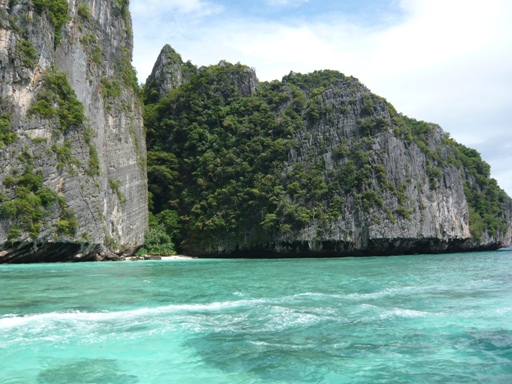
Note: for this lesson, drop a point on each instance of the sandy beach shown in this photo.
(178, 257)
(158, 258)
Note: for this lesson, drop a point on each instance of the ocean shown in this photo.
(400, 319)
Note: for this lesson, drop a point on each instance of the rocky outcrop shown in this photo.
(71, 138)
(169, 72)
(315, 165)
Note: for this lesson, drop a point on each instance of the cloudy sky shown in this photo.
(443, 61)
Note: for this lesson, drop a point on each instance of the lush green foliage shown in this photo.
(110, 89)
(27, 53)
(226, 145)
(163, 229)
(57, 11)
(64, 157)
(123, 6)
(157, 242)
(217, 157)
(314, 80)
(7, 136)
(229, 166)
(128, 72)
(487, 202)
(26, 211)
(84, 11)
(58, 99)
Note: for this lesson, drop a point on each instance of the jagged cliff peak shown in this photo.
(313, 165)
(73, 177)
(169, 72)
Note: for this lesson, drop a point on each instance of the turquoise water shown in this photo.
(410, 319)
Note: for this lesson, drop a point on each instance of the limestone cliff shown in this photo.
(72, 148)
(313, 165)
(169, 72)
(405, 186)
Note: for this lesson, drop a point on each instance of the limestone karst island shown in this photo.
(210, 161)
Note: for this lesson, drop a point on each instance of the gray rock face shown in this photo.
(402, 207)
(169, 72)
(436, 219)
(245, 83)
(73, 157)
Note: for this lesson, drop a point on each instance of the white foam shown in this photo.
(14, 321)
(286, 346)
(403, 313)
(275, 313)
(397, 291)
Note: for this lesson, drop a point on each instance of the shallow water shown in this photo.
(403, 319)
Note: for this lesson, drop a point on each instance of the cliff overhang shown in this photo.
(333, 249)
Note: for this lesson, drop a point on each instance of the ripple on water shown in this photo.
(432, 318)
(86, 371)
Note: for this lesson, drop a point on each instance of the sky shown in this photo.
(443, 61)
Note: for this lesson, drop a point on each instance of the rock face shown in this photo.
(169, 72)
(72, 148)
(314, 165)
(412, 197)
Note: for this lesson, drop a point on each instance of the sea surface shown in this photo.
(402, 319)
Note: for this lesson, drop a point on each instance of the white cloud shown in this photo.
(446, 61)
(452, 67)
(160, 22)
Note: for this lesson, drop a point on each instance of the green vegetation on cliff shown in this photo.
(66, 166)
(252, 168)
(58, 99)
(25, 202)
(31, 202)
(227, 146)
(486, 200)
(57, 11)
(7, 136)
(27, 53)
